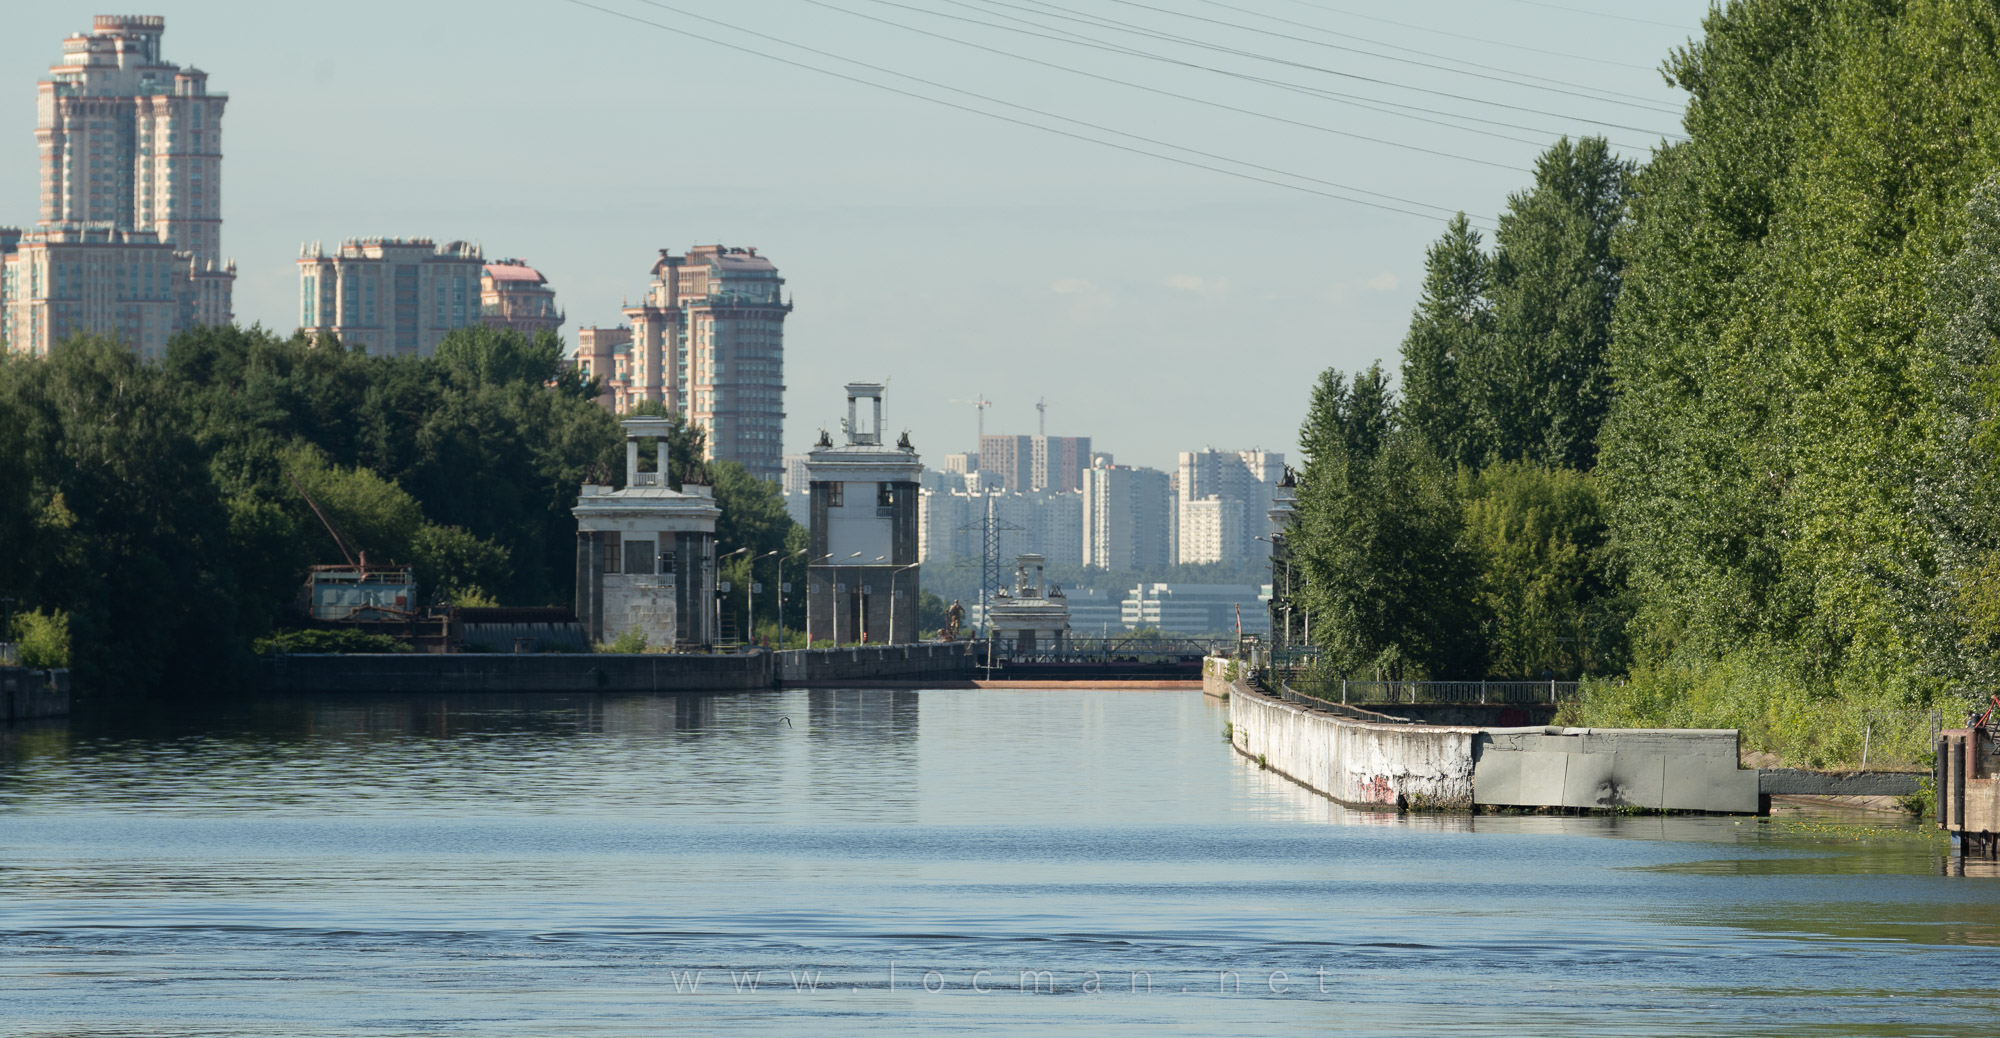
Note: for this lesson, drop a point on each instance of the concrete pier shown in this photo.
(27, 695)
(1373, 760)
(607, 672)
(1968, 790)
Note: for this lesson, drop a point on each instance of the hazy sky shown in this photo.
(1158, 307)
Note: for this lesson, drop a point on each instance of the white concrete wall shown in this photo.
(1419, 766)
(1449, 767)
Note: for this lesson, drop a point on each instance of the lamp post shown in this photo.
(718, 594)
(892, 601)
(835, 600)
(781, 602)
(753, 599)
(1286, 636)
(861, 592)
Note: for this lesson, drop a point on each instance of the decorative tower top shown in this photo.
(857, 392)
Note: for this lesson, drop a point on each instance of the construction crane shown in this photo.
(981, 403)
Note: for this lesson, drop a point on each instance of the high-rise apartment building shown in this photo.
(1126, 512)
(392, 297)
(515, 295)
(601, 353)
(1058, 462)
(1024, 463)
(1224, 498)
(708, 343)
(129, 240)
(1007, 461)
(1045, 522)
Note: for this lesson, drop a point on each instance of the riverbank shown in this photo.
(29, 695)
(926, 663)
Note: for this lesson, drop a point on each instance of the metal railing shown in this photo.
(1498, 693)
(1108, 650)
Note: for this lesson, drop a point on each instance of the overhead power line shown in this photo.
(1507, 76)
(1599, 14)
(1024, 108)
(1595, 91)
(1158, 90)
(1021, 122)
(1079, 39)
(1187, 41)
(1481, 40)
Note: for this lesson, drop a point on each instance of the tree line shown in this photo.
(1726, 422)
(156, 508)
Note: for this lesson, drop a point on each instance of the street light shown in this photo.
(833, 592)
(892, 601)
(718, 593)
(781, 603)
(862, 594)
(1286, 637)
(753, 601)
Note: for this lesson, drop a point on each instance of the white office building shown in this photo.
(1224, 502)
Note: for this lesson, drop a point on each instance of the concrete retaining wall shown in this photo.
(606, 672)
(507, 672)
(1671, 769)
(1387, 765)
(1800, 782)
(29, 694)
(1215, 672)
(917, 661)
(1361, 762)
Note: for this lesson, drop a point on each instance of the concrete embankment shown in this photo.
(606, 672)
(27, 695)
(1360, 761)
(1352, 761)
(929, 664)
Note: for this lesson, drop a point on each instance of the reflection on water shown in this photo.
(846, 861)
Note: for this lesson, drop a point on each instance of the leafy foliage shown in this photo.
(41, 640)
(327, 640)
(1786, 459)
(155, 504)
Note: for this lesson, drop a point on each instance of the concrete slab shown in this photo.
(1496, 778)
(1707, 784)
(1641, 779)
(1542, 778)
(1587, 782)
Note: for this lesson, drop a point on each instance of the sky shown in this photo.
(954, 250)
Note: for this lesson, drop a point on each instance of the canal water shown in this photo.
(861, 861)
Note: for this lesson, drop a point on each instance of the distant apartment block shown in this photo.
(601, 354)
(1045, 522)
(1193, 609)
(1058, 462)
(707, 343)
(390, 297)
(515, 295)
(1007, 461)
(1127, 512)
(129, 240)
(1027, 463)
(961, 463)
(1223, 504)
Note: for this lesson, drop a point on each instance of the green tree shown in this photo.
(1378, 537)
(1544, 374)
(130, 537)
(1548, 584)
(1445, 348)
(1779, 415)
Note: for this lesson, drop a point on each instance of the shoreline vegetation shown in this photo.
(1724, 423)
